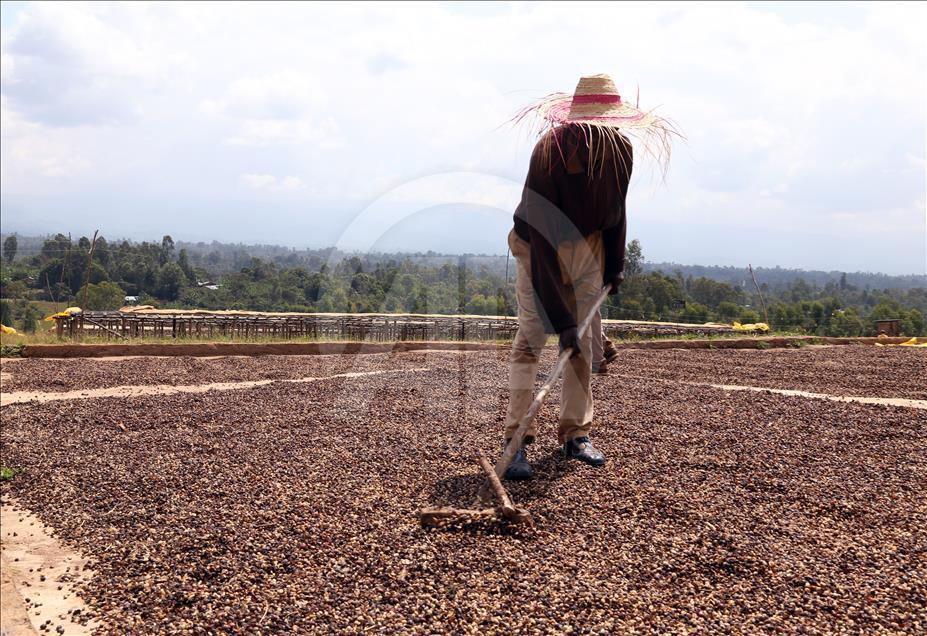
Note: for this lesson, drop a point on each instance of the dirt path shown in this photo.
(14, 619)
(914, 404)
(39, 575)
(884, 401)
(166, 389)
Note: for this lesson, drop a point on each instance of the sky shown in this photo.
(385, 126)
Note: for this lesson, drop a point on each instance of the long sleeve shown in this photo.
(613, 241)
(614, 238)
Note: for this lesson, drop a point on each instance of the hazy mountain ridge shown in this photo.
(228, 257)
(779, 276)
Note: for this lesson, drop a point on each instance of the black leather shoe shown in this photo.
(582, 449)
(519, 469)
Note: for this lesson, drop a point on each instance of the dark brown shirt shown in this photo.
(570, 194)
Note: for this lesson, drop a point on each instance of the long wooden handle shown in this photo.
(504, 501)
(515, 443)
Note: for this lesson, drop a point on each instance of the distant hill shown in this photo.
(778, 277)
(228, 257)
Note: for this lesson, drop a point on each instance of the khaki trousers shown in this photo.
(581, 264)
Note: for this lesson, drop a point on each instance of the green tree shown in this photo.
(9, 248)
(913, 324)
(633, 259)
(105, 296)
(748, 317)
(844, 323)
(56, 247)
(886, 310)
(727, 310)
(52, 271)
(662, 290)
(170, 281)
(30, 319)
(6, 313)
(183, 261)
(15, 289)
(167, 250)
(710, 292)
(101, 252)
(694, 313)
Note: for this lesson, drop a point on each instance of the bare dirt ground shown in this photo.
(290, 507)
(39, 579)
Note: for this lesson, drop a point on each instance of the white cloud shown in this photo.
(792, 115)
(271, 132)
(291, 183)
(259, 180)
(281, 95)
(270, 182)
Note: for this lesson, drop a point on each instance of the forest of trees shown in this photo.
(272, 278)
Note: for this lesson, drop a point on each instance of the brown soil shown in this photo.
(39, 578)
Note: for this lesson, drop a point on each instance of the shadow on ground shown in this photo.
(461, 490)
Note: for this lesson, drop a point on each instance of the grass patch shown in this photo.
(11, 350)
(726, 335)
(763, 345)
(6, 474)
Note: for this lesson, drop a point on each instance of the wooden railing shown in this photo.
(370, 327)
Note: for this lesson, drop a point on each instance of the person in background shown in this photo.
(603, 349)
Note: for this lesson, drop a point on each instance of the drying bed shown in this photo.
(60, 375)
(891, 372)
(291, 508)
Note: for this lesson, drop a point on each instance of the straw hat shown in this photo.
(596, 100)
(597, 103)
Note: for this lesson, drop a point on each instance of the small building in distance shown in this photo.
(891, 327)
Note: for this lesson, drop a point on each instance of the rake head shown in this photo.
(503, 510)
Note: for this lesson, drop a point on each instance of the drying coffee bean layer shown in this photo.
(845, 370)
(849, 370)
(291, 508)
(56, 375)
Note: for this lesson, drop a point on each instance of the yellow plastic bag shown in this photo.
(907, 343)
(753, 326)
(70, 311)
(8, 330)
